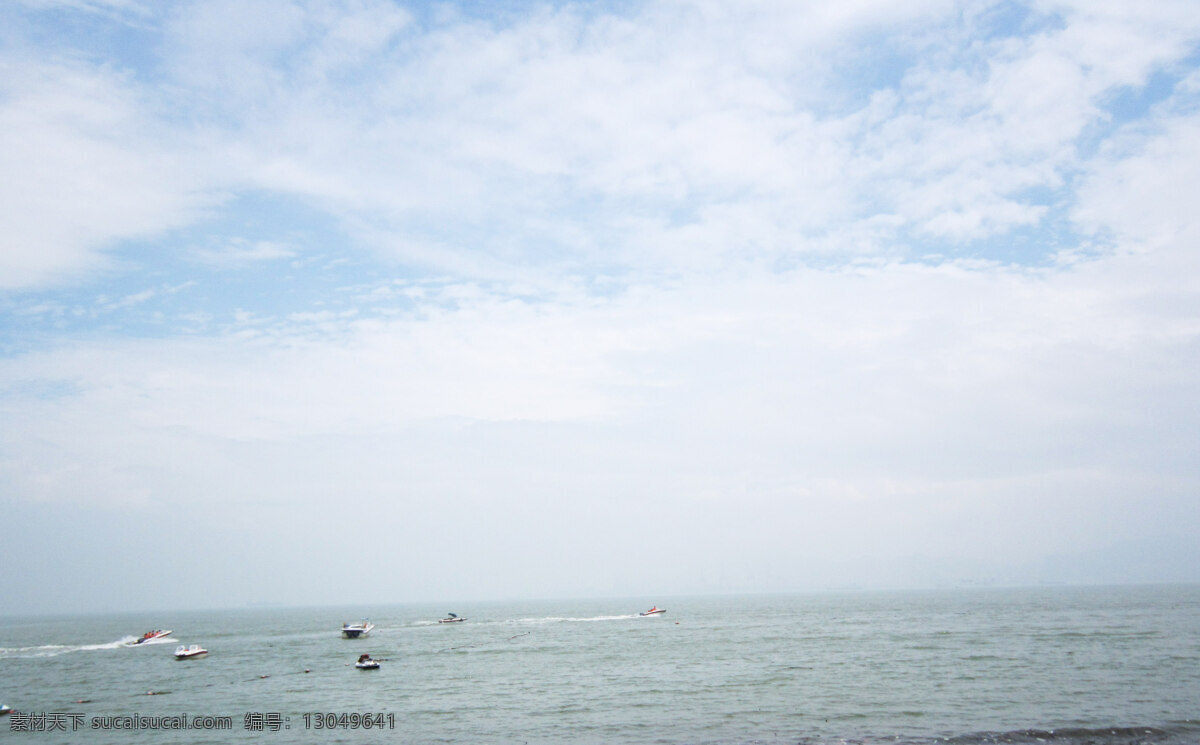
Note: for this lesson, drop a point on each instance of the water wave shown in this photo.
(1183, 733)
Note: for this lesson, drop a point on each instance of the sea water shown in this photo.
(1101, 665)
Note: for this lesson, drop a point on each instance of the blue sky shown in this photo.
(592, 298)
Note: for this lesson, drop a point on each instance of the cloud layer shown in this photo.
(758, 286)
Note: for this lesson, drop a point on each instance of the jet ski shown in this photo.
(366, 663)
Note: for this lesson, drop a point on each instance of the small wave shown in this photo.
(1091, 736)
(1066, 736)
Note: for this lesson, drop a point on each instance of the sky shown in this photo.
(361, 301)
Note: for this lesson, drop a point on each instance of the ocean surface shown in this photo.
(1064, 665)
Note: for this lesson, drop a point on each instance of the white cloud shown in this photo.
(571, 138)
(240, 252)
(1139, 191)
(105, 303)
(115, 8)
(740, 270)
(936, 383)
(82, 170)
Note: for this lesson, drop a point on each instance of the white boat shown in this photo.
(5, 710)
(366, 663)
(653, 611)
(189, 652)
(451, 618)
(355, 630)
(151, 635)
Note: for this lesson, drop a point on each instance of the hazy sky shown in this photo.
(357, 301)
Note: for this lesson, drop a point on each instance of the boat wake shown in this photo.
(54, 650)
(569, 619)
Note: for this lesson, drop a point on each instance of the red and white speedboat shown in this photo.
(190, 652)
(653, 611)
(152, 635)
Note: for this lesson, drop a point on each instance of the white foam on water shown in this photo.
(54, 650)
(570, 619)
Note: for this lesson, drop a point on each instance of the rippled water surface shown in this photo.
(1067, 665)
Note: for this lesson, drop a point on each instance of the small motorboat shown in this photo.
(451, 618)
(5, 710)
(190, 652)
(355, 630)
(653, 611)
(366, 663)
(151, 635)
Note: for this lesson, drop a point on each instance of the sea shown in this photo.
(1061, 665)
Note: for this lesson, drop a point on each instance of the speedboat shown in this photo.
(451, 618)
(150, 635)
(355, 630)
(366, 663)
(5, 710)
(189, 652)
(653, 611)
